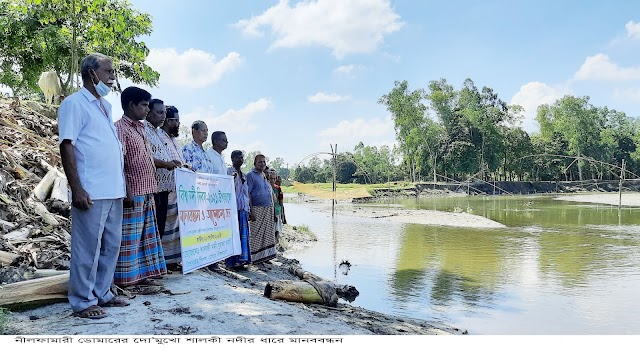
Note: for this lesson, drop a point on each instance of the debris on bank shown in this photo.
(34, 203)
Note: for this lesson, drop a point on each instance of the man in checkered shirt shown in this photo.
(141, 257)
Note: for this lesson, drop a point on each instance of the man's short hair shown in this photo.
(198, 125)
(92, 62)
(236, 154)
(153, 102)
(217, 135)
(256, 157)
(171, 112)
(133, 95)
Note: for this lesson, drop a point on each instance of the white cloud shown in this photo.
(532, 95)
(600, 67)
(348, 70)
(193, 68)
(632, 94)
(344, 26)
(321, 97)
(230, 121)
(633, 30)
(347, 134)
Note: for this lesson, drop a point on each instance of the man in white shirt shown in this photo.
(219, 143)
(92, 159)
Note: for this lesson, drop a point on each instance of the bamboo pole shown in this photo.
(620, 185)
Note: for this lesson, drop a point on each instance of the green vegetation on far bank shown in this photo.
(349, 190)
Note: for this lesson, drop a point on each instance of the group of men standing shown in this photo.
(124, 204)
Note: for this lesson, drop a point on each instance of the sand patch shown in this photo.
(424, 217)
(628, 199)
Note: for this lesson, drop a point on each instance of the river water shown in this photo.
(557, 268)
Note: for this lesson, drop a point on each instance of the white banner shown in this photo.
(208, 216)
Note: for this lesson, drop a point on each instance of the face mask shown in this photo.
(102, 89)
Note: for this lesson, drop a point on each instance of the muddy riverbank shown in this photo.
(205, 302)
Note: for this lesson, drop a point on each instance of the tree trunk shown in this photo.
(34, 292)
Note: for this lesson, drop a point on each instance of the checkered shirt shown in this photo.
(139, 168)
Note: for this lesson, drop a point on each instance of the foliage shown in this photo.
(408, 111)
(42, 35)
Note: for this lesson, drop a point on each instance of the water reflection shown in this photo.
(558, 267)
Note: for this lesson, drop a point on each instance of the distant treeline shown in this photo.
(447, 134)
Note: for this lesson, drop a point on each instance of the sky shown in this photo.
(292, 78)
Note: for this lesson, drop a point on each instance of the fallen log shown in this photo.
(36, 292)
(346, 292)
(322, 292)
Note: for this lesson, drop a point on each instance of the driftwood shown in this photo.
(34, 292)
(40, 273)
(6, 258)
(20, 234)
(41, 210)
(43, 188)
(346, 292)
(320, 292)
(313, 289)
(6, 226)
(60, 189)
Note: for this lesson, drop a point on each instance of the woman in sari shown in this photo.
(261, 214)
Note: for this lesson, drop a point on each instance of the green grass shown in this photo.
(303, 229)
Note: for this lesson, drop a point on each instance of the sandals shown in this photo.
(93, 312)
(149, 282)
(115, 302)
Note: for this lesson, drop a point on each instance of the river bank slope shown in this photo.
(205, 302)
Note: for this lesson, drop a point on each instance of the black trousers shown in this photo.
(162, 202)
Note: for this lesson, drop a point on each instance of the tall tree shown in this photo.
(42, 35)
(578, 122)
(408, 113)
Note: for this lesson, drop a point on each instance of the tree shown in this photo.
(408, 113)
(578, 122)
(42, 35)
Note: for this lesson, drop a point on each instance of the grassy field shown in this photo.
(343, 191)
